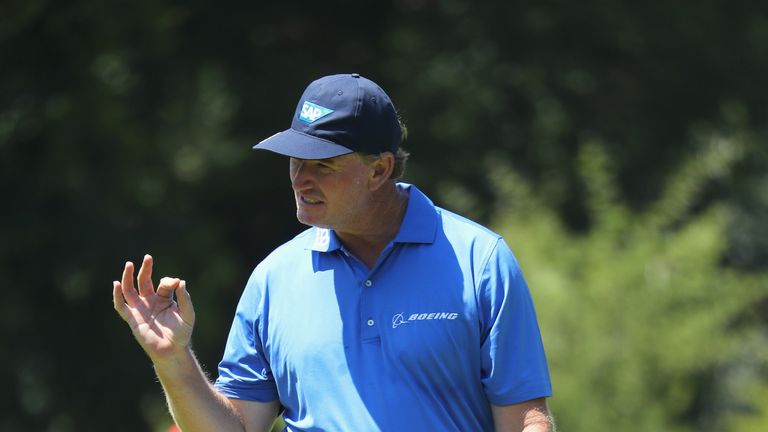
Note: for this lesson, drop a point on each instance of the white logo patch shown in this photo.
(322, 238)
(400, 319)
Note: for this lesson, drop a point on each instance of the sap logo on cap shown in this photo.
(311, 112)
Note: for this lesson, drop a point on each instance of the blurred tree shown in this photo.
(644, 327)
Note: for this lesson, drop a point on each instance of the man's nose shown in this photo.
(299, 174)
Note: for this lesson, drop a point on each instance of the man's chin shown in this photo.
(311, 221)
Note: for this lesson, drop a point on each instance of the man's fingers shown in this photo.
(145, 277)
(186, 310)
(167, 287)
(126, 287)
(119, 300)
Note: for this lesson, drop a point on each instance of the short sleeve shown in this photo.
(514, 365)
(244, 371)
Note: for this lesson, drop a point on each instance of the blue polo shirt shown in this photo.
(442, 326)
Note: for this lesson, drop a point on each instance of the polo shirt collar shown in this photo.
(324, 240)
(419, 224)
(420, 220)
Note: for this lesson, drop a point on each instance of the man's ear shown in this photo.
(381, 170)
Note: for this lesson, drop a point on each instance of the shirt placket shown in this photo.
(366, 279)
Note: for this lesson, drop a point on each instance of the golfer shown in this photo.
(387, 314)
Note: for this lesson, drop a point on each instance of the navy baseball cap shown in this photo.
(336, 115)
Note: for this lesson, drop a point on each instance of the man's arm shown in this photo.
(530, 416)
(197, 406)
(163, 328)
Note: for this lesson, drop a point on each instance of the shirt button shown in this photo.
(368, 283)
(370, 323)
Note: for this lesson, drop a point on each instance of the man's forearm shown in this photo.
(192, 400)
(545, 423)
(530, 416)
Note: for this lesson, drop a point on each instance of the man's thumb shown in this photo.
(186, 309)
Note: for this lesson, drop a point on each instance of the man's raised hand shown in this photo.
(162, 326)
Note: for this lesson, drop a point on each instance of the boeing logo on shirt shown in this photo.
(311, 112)
(399, 319)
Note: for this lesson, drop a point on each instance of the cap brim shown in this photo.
(301, 146)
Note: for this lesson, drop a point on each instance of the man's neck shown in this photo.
(383, 224)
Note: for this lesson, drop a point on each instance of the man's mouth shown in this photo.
(310, 201)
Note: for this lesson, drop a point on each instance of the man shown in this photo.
(387, 314)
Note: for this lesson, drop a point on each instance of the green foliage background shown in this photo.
(645, 329)
(620, 148)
